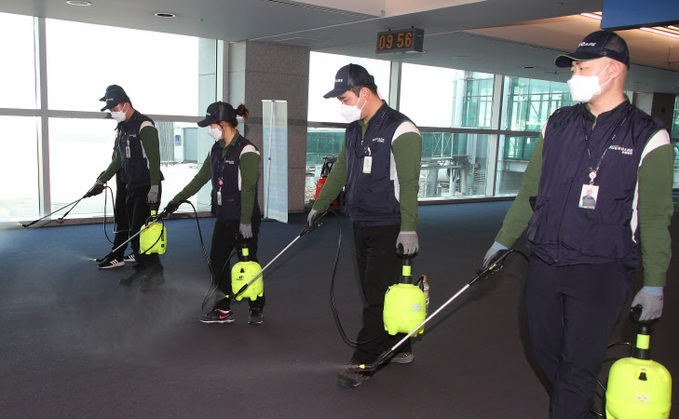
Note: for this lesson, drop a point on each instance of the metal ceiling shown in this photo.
(513, 37)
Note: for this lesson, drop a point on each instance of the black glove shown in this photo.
(96, 189)
(171, 207)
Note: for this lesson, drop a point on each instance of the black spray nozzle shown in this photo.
(496, 265)
(315, 223)
(368, 368)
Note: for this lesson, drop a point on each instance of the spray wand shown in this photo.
(154, 218)
(305, 230)
(72, 205)
(496, 266)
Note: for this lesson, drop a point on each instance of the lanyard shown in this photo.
(593, 171)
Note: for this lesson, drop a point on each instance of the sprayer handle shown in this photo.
(635, 314)
(399, 253)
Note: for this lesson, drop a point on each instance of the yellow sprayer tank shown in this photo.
(154, 238)
(242, 273)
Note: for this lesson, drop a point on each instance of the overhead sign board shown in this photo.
(405, 40)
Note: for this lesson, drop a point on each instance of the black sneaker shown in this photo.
(111, 262)
(217, 316)
(351, 376)
(129, 258)
(256, 316)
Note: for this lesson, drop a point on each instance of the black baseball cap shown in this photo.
(218, 111)
(596, 45)
(114, 95)
(351, 75)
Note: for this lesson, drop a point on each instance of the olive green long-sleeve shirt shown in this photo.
(249, 170)
(654, 206)
(407, 151)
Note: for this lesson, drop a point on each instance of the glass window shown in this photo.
(528, 103)
(322, 70)
(323, 144)
(417, 83)
(463, 99)
(513, 156)
(675, 144)
(72, 175)
(79, 150)
(675, 121)
(18, 168)
(477, 101)
(183, 150)
(453, 165)
(158, 71)
(17, 81)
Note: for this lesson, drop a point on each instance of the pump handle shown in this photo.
(399, 253)
(635, 314)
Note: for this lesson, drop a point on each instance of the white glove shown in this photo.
(409, 241)
(495, 251)
(651, 301)
(312, 217)
(152, 197)
(245, 230)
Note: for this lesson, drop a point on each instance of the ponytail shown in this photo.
(240, 111)
(243, 111)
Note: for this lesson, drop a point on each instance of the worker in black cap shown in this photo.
(233, 167)
(598, 187)
(137, 154)
(380, 166)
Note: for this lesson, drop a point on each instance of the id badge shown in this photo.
(128, 154)
(219, 197)
(367, 164)
(588, 196)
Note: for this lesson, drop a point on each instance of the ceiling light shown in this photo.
(662, 31)
(592, 15)
(165, 15)
(80, 3)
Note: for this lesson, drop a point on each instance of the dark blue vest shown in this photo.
(370, 197)
(136, 166)
(561, 232)
(227, 169)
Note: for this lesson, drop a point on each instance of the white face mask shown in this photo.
(584, 88)
(351, 113)
(118, 116)
(215, 133)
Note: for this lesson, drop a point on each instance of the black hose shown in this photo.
(333, 303)
(214, 281)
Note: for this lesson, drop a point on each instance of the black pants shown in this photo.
(378, 268)
(570, 312)
(138, 211)
(120, 217)
(225, 238)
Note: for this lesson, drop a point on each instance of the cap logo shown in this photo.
(587, 44)
(339, 80)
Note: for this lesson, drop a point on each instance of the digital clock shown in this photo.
(404, 40)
